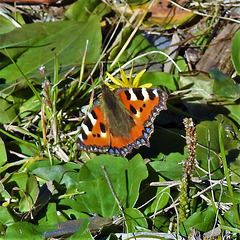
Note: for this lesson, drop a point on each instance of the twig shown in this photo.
(111, 188)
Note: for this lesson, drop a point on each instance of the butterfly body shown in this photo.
(121, 120)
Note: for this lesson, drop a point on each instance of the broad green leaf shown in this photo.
(47, 163)
(61, 174)
(169, 166)
(6, 24)
(160, 79)
(224, 86)
(77, 215)
(221, 194)
(201, 221)
(52, 217)
(125, 177)
(200, 94)
(83, 10)
(162, 196)
(135, 167)
(24, 230)
(208, 148)
(200, 86)
(161, 223)
(9, 22)
(231, 141)
(234, 112)
(31, 193)
(66, 39)
(236, 51)
(17, 180)
(6, 217)
(235, 166)
(230, 218)
(134, 220)
(230, 133)
(7, 112)
(3, 155)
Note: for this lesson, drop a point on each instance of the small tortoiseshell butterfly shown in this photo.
(121, 120)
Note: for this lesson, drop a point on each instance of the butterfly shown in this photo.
(121, 120)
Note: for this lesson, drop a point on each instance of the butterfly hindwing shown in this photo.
(137, 137)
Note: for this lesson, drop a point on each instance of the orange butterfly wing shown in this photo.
(142, 106)
(94, 135)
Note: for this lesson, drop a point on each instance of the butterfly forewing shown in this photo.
(94, 134)
(144, 104)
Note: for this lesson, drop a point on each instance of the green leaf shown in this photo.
(83, 10)
(167, 163)
(6, 24)
(230, 133)
(77, 215)
(208, 148)
(18, 179)
(7, 112)
(224, 86)
(24, 230)
(58, 173)
(160, 78)
(29, 198)
(3, 155)
(230, 217)
(236, 51)
(161, 198)
(6, 217)
(161, 223)
(66, 39)
(52, 217)
(125, 178)
(201, 87)
(234, 112)
(134, 220)
(202, 221)
(136, 167)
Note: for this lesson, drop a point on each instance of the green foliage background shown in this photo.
(43, 178)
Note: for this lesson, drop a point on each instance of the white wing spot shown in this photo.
(145, 94)
(80, 137)
(133, 95)
(85, 129)
(138, 114)
(103, 135)
(155, 92)
(92, 119)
